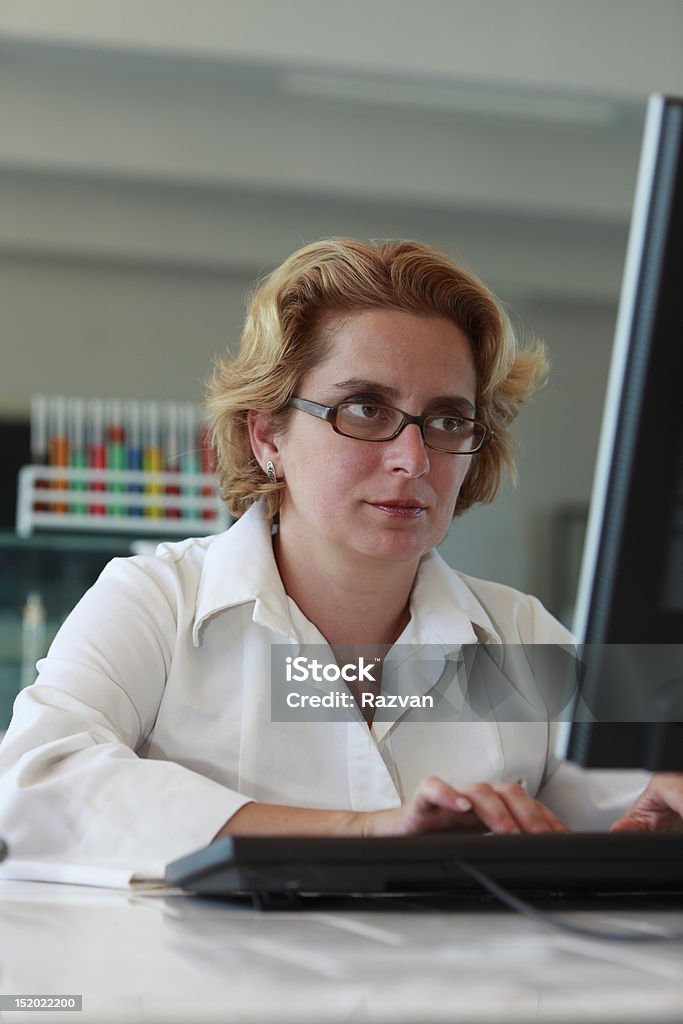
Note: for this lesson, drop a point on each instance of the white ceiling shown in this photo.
(221, 135)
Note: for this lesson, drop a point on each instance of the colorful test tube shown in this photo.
(172, 447)
(116, 451)
(78, 454)
(153, 454)
(39, 452)
(190, 462)
(97, 449)
(58, 444)
(135, 460)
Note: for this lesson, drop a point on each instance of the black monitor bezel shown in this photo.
(639, 474)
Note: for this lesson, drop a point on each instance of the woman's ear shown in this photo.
(262, 437)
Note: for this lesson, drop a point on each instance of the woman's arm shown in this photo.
(434, 807)
(72, 786)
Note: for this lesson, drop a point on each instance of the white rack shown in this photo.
(56, 498)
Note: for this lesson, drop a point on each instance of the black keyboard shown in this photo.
(576, 864)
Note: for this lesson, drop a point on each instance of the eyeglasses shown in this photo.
(370, 421)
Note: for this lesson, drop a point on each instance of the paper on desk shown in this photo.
(78, 874)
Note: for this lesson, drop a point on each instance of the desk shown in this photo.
(177, 958)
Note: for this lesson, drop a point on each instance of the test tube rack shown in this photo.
(118, 501)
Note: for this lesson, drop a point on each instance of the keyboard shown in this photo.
(579, 863)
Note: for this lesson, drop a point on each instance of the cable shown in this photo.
(520, 905)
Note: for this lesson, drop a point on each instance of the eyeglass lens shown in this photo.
(380, 422)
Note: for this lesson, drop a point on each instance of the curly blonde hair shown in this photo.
(284, 338)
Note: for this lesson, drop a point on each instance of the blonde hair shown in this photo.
(284, 337)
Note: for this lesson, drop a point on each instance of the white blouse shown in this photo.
(150, 722)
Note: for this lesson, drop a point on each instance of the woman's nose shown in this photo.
(408, 453)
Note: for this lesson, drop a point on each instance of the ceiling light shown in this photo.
(455, 98)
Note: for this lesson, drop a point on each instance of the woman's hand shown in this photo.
(435, 806)
(659, 808)
(504, 807)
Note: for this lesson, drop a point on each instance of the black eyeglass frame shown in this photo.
(328, 413)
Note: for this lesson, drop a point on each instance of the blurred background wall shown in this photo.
(157, 155)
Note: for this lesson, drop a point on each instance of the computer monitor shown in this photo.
(629, 616)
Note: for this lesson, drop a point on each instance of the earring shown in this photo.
(270, 472)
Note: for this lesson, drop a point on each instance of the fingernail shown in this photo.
(462, 804)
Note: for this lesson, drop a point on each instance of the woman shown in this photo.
(369, 405)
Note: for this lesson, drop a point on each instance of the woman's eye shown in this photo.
(365, 410)
(449, 424)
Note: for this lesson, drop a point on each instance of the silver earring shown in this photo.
(270, 472)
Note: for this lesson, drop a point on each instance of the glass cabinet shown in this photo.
(42, 577)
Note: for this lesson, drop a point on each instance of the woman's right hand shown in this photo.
(435, 806)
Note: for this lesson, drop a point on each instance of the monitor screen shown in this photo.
(629, 617)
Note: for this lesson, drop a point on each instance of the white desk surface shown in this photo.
(176, 958)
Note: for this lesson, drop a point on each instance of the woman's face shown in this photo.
(391, 500)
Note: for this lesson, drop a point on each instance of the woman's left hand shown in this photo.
(659, 808)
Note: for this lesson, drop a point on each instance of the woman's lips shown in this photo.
(399, 509)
